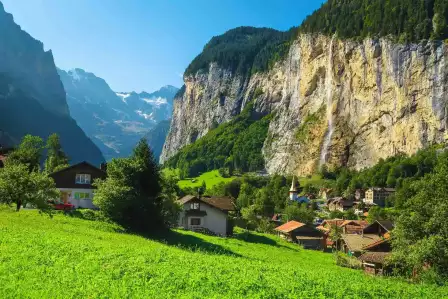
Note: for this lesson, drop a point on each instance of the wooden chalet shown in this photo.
(306, 235)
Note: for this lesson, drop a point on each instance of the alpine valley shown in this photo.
(115, 121)
(370, 91)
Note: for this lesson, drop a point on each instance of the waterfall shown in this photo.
(329, 93)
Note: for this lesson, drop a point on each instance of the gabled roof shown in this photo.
(386, 224)
(362, 223)
(289, 226)
(375, 244)
(222, 203)
(332, 222)
(374, 257)
(356, 242)
(77, 165)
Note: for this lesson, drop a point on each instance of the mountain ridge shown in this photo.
(115, 121)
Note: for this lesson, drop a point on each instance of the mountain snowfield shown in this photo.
(115, 121)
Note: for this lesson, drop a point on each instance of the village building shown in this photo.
(360, 194)
(353, 226)
(378, 195)
(204, 213)
(306, 235)
(75, 184)
(352, 244)
(339, 204)
(374, 258)
(379, 227)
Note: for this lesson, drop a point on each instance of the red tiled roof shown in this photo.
(289, 226)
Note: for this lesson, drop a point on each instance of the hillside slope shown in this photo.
(32, 98)
(340, 102)
(64, 257)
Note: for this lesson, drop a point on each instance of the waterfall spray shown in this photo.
(329, 93)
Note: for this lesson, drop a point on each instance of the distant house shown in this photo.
(306, 235)
(379, 227)
(353, 226)
(353, 244)
(206, 213)
(339, 204)
(373, 238)
(374, 258)
(75, 184)
(378, 195)
(347, 227)
(360, 194)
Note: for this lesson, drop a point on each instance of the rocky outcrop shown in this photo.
(336, 102)
(32, 98)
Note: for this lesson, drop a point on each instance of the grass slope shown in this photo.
(67, 257)
(210, 178)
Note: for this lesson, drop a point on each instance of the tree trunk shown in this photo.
(19, 204)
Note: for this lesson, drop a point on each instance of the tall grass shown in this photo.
(66, 257)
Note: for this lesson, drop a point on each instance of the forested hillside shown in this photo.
(234, 145)
(243, 50)
(405, 20)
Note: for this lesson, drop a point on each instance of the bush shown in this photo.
(346, 261)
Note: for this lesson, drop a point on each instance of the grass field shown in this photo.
(66, 257)
(210, 178)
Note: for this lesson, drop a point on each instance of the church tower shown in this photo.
(293, 192)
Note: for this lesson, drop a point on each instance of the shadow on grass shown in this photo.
(191, 243)
(249, 237)
(253, 238)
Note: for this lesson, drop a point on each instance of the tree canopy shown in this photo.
(243, 50)
(19, 186)
(132, 196)
(406, 20)
(56, 157)
(234, 145)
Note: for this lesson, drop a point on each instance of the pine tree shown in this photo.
(150, 175)
(56, 158)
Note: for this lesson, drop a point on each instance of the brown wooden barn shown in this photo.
(306, 235)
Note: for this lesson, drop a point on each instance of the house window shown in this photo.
(82, 195)
(194, 206)
(82, 178)
(195, 221)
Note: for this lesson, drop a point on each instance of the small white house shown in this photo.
(210, 213)
(75, 183)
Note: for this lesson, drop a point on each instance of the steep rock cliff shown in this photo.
(32, 98)
(336, 102)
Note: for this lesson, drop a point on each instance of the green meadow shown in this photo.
(210, 178)
(67, 257)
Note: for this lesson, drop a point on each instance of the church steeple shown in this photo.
(293, 192)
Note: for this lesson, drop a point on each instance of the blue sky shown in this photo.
(144, 44)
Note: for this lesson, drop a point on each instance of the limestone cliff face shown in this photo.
(336, 102)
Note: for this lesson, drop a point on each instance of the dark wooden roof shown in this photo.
(222, 203)
(66, 178)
